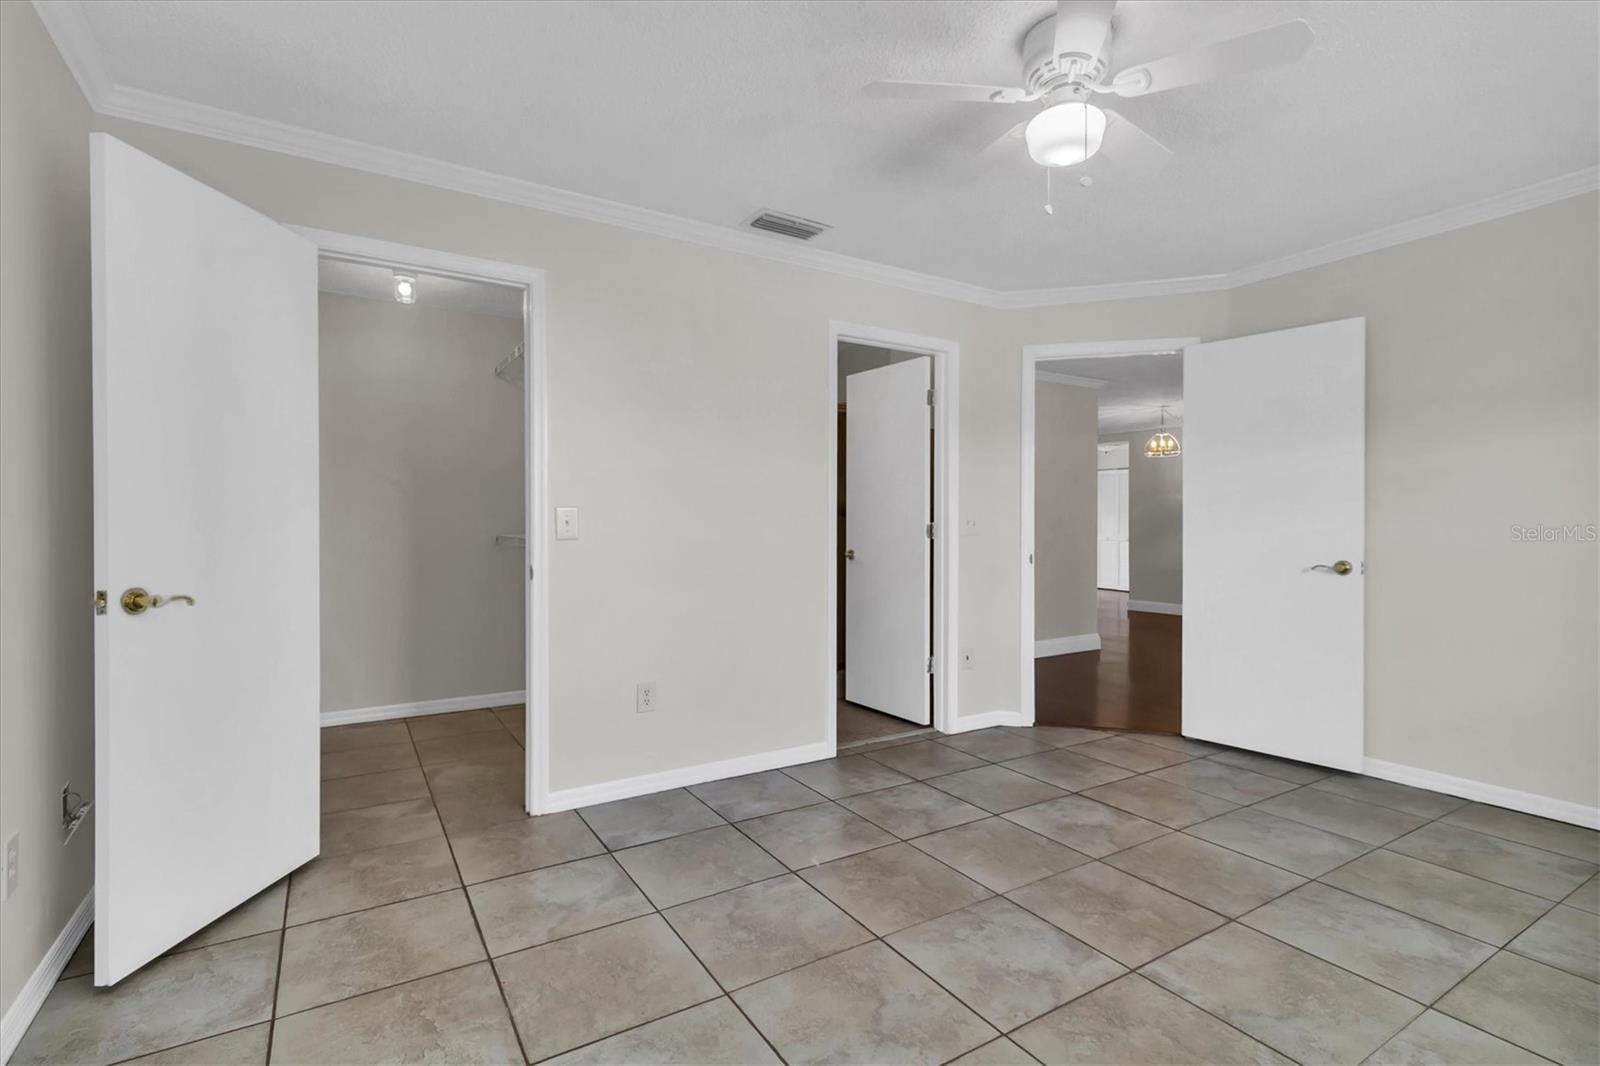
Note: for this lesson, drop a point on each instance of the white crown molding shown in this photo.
(81, 52)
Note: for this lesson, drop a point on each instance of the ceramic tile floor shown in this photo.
(1001, 896)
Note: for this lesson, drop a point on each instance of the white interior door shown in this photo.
(205, 485)
(888, 605)
(1274, 447)
(1112, 556)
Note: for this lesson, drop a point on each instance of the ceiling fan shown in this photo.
(1066, 61)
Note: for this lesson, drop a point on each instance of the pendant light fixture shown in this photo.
(1163, 445)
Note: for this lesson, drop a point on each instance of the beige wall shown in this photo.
(421, 467)
(1155, 521)
(1064, 509)
(46, 550)
(683, 378)
(1481, 353)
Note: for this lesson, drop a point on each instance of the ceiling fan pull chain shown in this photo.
(1049, 208)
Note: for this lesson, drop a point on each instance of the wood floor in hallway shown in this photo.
(1132, 682)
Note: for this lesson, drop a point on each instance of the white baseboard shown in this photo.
(628, 787)
(414, 710)
(44, 977)
(1066, 645)
(1495, 795)
(1155, 607)
(968, 722)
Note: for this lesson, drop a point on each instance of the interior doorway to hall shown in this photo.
(885, 564)
(1108, 533)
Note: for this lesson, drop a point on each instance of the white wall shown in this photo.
(1065, 511)
(46, 550)
(421, 466)
(1155, 521)
(690, 421)
(1481, 351)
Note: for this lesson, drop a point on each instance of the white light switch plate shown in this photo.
(566, 523)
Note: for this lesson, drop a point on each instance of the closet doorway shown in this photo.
(422, 513)
(434, 604)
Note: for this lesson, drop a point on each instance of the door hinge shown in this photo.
(100, 601)
(930, 530)
(930, 664)
(930, 397)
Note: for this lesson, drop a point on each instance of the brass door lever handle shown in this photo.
(1342, 567)
(138, 601)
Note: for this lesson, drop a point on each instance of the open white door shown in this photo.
(1274, 497)
(205, 486)
(888, 607)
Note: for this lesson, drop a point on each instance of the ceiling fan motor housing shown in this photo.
(1043, 69)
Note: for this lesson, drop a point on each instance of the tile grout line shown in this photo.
(277, 976)
(935, 738)
(472, 911)
(657, 911)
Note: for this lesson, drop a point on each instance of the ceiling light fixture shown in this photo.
(1065, 134)
(1162, 445)
(405, 288)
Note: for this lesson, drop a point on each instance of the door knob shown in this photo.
(850, 553)
(1341, 567)
(137, 601)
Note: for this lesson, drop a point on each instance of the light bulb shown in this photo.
(1065, 134)
(405, 288)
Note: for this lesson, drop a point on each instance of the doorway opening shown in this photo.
(1105, 518)
(893, 494)
(423, 517)
(432, 389)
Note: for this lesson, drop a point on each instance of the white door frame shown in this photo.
(536, 462)
(946, 517)
(1032, 356)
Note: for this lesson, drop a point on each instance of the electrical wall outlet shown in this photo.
(12, 847)
(646, 698)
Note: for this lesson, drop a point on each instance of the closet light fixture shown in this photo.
(1162, 445)
(405, 288)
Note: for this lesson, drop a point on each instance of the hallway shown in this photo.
(1132, 682)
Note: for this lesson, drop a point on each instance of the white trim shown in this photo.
(69, 29)
(1155, 607)
(423, 707)
(1483, 792)
(1069, 379)
(990, 719)
(585, 795)
(1043, 649)
(1032, 356)
(536, 460)
(33, 992)
(946, 513)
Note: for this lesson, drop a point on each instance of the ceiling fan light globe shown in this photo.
(1065, 134)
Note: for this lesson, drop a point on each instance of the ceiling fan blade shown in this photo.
(1129, 149)
(939, 90)
(1007, 143)
(1082, 26)
(1271, 47)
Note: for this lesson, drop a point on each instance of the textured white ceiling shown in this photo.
(710, 110)
(1135, 387)
(377, 283)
